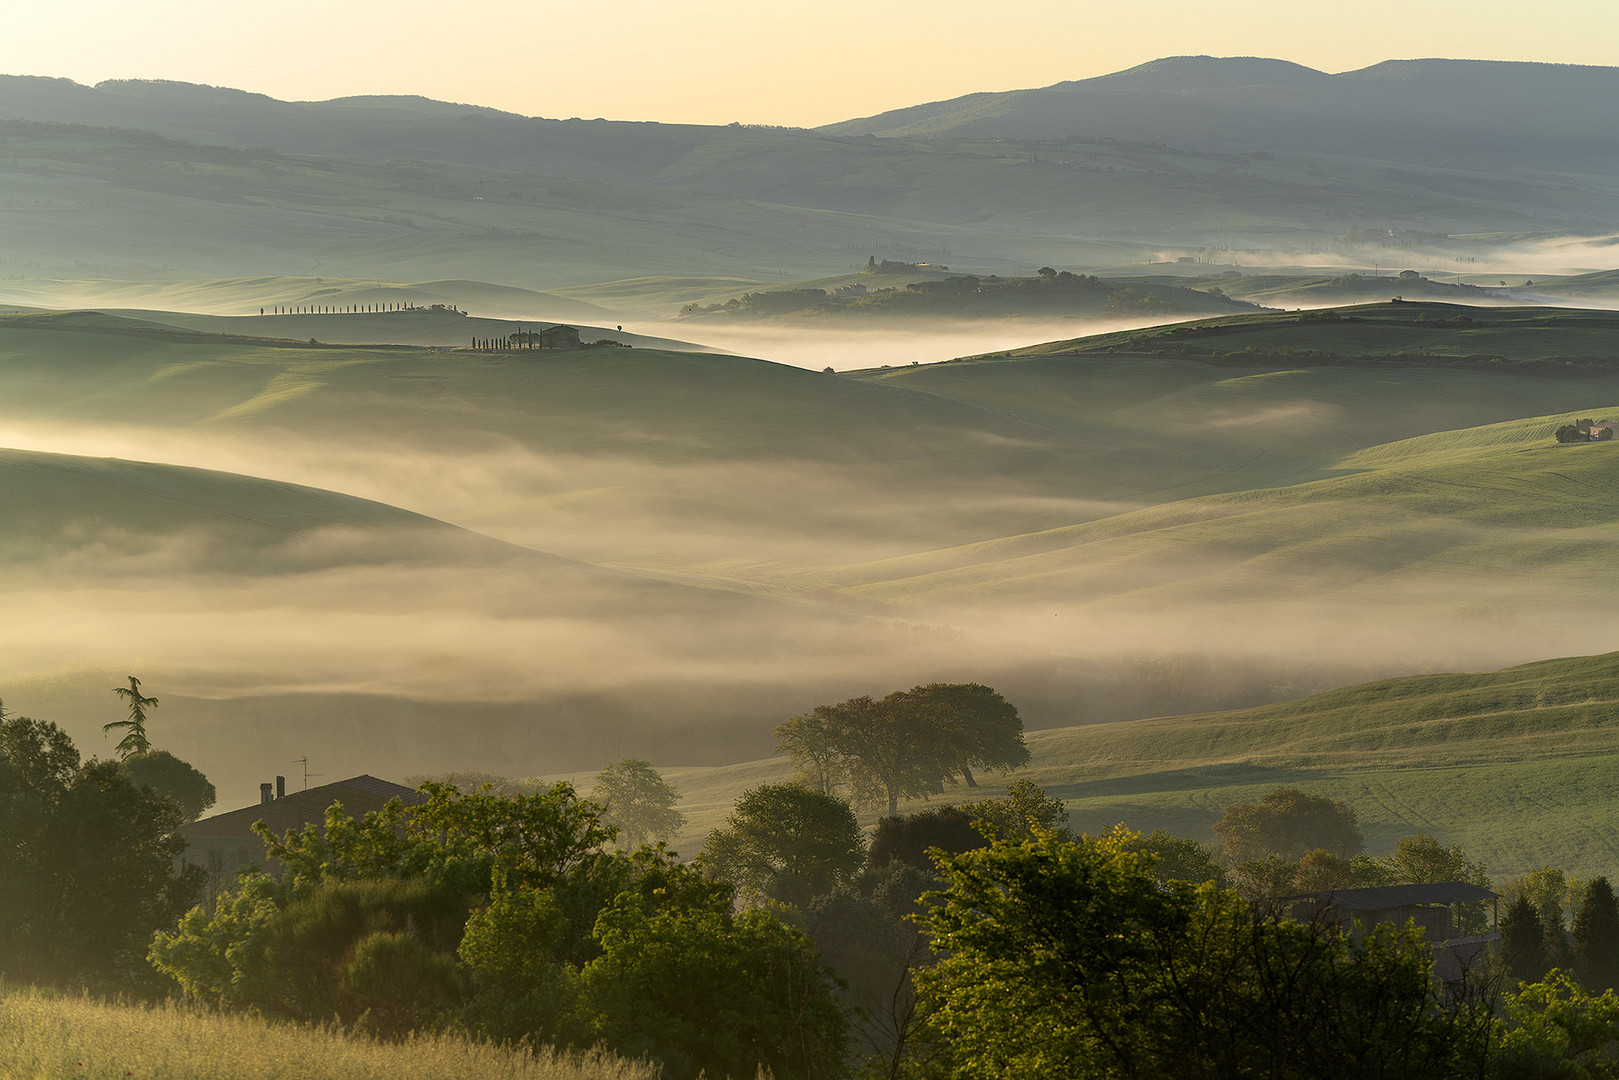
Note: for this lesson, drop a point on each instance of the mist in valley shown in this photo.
(533, 564)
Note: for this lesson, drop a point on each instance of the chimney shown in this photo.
(281, 787)
(265, 794)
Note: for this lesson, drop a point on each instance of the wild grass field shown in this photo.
(48, 1036)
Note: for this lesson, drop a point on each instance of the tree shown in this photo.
(134, 740)
(1069, 959)
(786, 842)
(907, 838)
(1523, 941)
(168, 775)
(910, 743)
(1176, 858)
(810, 743)
(983, 728)
(1288, 823)
(1596, 937)
(86, 863)
(1422, 860)
(1022, 814)
(638, 801)
(709, 993)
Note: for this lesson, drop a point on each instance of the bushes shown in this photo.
(505, 914)
(1070, 959)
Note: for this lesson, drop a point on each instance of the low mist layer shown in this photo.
(573, 557)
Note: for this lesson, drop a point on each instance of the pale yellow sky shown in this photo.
(714, 61)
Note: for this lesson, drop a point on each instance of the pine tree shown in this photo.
(1596, 937)
(1523, 941)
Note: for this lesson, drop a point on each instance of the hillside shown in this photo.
(1101, 536)
(1549, 340)
(886, 296)
(1514, 765)
(158, 182)
(1422, 109)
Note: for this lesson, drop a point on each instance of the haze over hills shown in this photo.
(1515, 766)
(1419, 111)
(1099, 536)
(1226, 160)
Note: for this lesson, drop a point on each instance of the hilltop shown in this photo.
(1184, 157)
(1550, 340)
(1416, 109)
(1099, 531)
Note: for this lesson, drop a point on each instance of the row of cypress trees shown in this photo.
(1533, 942)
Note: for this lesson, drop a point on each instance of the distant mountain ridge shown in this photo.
(1402, 108)
(1181, 158)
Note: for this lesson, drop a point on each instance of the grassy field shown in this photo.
(1517, 766)
(749, 539)
(44, 1036)
(1542, 339)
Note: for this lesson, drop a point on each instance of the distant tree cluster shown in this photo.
(957, 295)
(907, 744)
(1584, 430)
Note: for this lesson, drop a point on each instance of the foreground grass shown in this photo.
(43, 1037)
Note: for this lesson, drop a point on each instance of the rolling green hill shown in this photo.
(1551, 340)
(1517, 766)
(1101, 535)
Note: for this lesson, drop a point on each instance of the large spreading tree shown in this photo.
(907, 744)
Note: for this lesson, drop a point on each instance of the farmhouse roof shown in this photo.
(359, 795)
(1395, 896)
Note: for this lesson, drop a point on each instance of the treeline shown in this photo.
(1053, 292)
(964, 940)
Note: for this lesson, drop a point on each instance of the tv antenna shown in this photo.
(304, 761)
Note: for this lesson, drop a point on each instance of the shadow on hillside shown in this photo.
(1201, 777)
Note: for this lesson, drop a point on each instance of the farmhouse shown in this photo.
(1434, 908)
(226, 843)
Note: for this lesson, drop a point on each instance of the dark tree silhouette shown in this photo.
(1596, 937)
(134, 740)
(1523, 941)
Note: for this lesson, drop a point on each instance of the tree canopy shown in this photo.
(134, 729)
(786, 842)
(86, 862)
(638, 801)
(510, 915)
(908, 744)
(1068, 958)
(1288, 823)
(168, 775)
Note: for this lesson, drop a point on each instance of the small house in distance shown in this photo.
(1434, 908)
(225, 843)
(560, 337)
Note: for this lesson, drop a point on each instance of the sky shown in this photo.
(718, 61)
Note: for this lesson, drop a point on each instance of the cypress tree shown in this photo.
(1596, 937)
(1523, 941)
